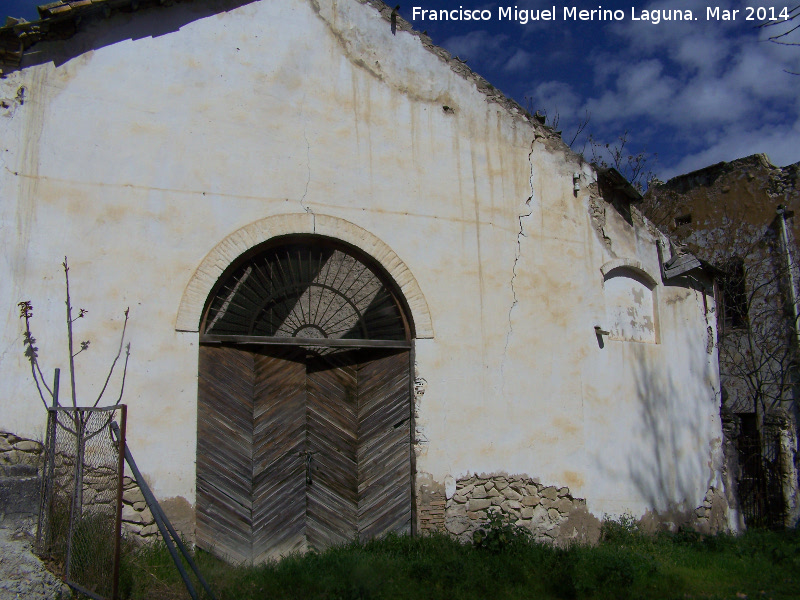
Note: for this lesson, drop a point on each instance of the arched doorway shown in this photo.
(304, 402)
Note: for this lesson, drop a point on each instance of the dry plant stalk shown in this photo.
(32, 351)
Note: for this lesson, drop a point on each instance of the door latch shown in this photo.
(309, 455)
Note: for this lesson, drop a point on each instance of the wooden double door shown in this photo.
(298, 451)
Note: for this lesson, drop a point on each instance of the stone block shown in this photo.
(564, 491)
(19, 495)
(130, 515)
(526, 512)
(18, 470)
(12, 457)
(449, 486)
(563, 505)
(89, 496)
(457, 525)
(457, 510)
(493, 493)
(553, 514)
(476, 504)
(488, 485)
(498, 500)
(531, 500)
(132, 496)
(148, 531)
(532, 489)
(28, 446)
(511, 504)
(511, 494)
(479, 492)
(460, 499)
(4, 445)
(549, 492)
(466, 490)
(540, 514)
(501, 484)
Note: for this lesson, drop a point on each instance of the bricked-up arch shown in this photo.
(226, 252)
(630, 295)
(304, 413)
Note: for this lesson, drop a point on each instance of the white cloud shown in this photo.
(555, 97)
(521, 60)
(779, 143)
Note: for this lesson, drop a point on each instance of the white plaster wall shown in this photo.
(139, 155)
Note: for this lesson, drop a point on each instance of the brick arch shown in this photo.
(229, 249)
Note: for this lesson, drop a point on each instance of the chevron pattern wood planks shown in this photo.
(299, 451)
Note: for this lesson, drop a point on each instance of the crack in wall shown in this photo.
(307, 209)
(517, 256)
(308, 167)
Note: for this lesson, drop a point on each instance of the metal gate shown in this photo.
(760, 480)
(81, 504)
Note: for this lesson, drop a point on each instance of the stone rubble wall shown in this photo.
(543, 510)
(15, 450)
(551, 513)
(137, 520)
(99, 485)
(20, 459)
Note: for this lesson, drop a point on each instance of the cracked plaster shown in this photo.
(515, 379)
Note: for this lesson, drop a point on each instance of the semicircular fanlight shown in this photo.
(305, 291)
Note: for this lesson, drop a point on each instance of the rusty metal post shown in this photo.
(76, 508)
(46, 488)
(120, 479)
(53, 426)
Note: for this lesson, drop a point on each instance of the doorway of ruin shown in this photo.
(304, 402)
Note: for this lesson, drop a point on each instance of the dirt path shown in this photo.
(22, 575)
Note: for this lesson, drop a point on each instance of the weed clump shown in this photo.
(499, 533)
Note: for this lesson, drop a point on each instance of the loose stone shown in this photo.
(550, 493)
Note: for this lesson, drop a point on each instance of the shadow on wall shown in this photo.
(152, 20)
(674, 452)
(668, 428)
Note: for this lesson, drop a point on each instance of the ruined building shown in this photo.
(367, 292)
(741, 217)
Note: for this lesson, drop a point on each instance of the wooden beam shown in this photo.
(298, 341)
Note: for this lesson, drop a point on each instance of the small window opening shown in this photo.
(683, 220)
(734, 295)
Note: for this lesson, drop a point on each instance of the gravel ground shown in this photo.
(22, 575)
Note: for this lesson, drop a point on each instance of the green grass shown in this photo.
(626, 564)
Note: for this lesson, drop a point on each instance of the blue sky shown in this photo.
(693, 92)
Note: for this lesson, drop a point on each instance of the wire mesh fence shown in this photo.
(80, 513)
